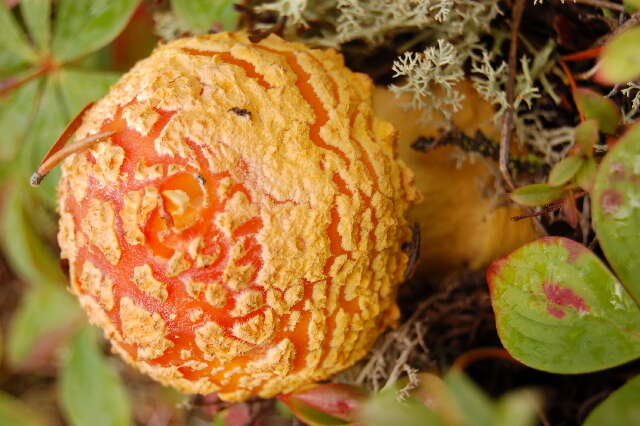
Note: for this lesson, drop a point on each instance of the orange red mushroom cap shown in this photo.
(241, 230)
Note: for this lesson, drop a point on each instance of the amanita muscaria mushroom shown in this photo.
(241, 232)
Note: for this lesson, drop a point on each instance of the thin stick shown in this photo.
(55, 159)
(507, 122)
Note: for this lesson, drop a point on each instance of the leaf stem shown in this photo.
(55, 158)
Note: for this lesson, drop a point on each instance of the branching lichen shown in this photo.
(373, 21)
(490, 81)
(552, 144)
(632, 92)
(430, 79)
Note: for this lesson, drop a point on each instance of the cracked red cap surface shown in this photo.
(241, 230)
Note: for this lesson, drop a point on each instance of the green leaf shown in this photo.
(37, 16)
(616, 209)
(565, 170)
(200, 15)
(79, 87)
(517, 408)
(595, 106)
(620, 62)
(42, 322)
(91, 392)
(473, 405)
(13, 39)
(49, 122)
(620, 408)
(84, 26)
(28, 256)
(17, 110)
(587, 136)
(313, 416)
(47, 309)
(587, 174)
(559, 309)
(14, 412)
(384, 409)
(537, 194)
(10, 64)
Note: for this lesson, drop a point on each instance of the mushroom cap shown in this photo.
(242, 230)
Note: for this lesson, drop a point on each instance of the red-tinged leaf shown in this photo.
(312, 416)
(565, 170)
(236, 415)
(537, 194)
(620, 61)
(338, 400)
(559, 309)
(570, 210)
(587, 137)
(616, 208)
(593, 105)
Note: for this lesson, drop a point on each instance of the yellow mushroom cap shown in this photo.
(241, 232)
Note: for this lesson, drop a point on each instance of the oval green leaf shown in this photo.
(616, 208)
(91, 391)
(620, 408)
(537, 194)
(595, 106)
(620, 61)
(565, 170)
(83, 26)
(587, 174)
(559, 309)
(587, 136)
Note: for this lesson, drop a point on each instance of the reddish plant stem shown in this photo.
(11, 83)
(468, 358)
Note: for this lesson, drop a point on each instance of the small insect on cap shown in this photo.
(240, 230)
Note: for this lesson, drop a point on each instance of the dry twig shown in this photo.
(507, 121)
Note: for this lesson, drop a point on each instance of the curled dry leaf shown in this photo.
(463, 225)
(244, 254)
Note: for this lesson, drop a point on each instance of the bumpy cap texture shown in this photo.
(242, 230)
